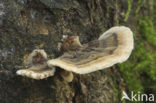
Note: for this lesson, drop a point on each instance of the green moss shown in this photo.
(146, 29)
(151, 5)
(139, 66)
(128, 10)
(139, 71)
(140, 4)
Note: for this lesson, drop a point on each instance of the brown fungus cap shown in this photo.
(38, 68)
(112, 47)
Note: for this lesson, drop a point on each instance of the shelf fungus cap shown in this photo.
(38, 68)
(37, 72)
(112, 47)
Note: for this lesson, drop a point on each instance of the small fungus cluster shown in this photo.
(112, 47)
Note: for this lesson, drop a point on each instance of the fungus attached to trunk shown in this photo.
(37, 66)
(113, 46)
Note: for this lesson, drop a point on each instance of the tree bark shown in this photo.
(29, 24)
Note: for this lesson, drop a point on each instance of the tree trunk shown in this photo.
(29, 24)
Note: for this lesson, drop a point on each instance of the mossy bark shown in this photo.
(29, 24)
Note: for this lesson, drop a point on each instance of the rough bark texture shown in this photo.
(29, 24)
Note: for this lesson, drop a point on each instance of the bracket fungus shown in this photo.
(37, 66)
(112, 47)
